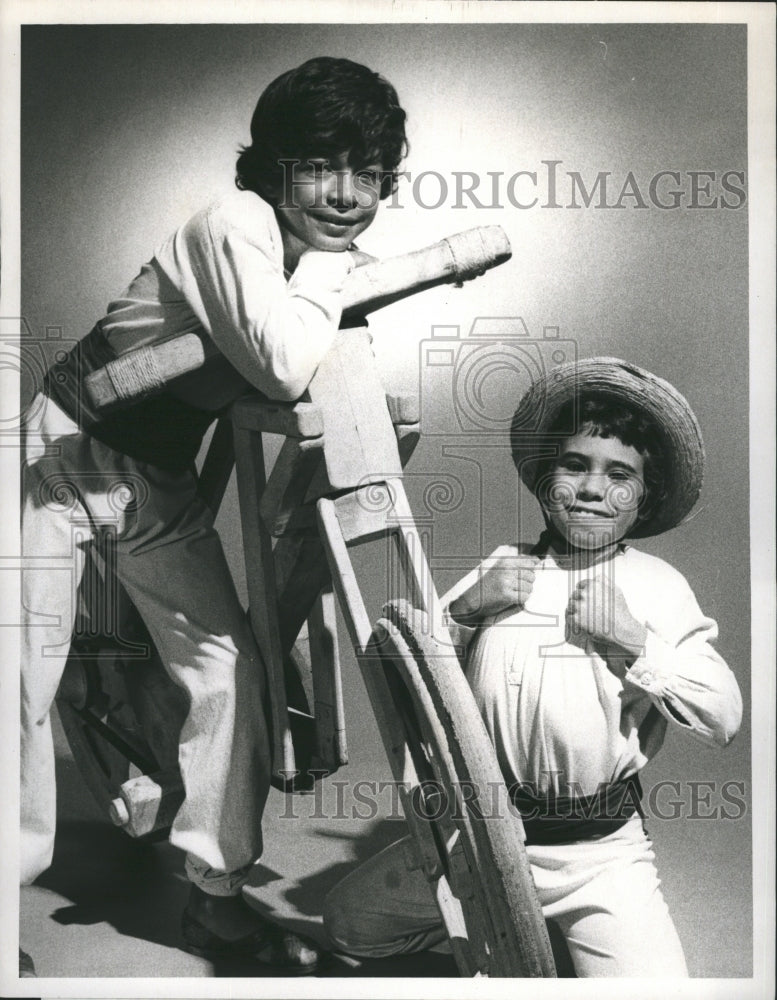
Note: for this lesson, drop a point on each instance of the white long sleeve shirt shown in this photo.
(221, 276)
(558, 716)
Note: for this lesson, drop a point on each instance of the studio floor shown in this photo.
(110, 906)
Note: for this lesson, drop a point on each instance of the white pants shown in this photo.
(170, 560)
(603, 894)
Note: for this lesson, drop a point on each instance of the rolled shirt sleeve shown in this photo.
(228, 263)
(681, 672)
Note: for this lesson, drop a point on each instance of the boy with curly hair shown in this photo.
(259, 275)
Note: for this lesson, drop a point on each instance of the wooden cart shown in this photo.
(336, 484)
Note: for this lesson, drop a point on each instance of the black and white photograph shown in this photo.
(388, 406)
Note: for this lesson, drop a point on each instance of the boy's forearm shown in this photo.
(274, 333)
(464, 609)
(463, 602)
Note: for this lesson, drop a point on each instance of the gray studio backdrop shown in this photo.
(567, 132)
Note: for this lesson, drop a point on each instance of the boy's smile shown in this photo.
(593, 492)
(327, 203)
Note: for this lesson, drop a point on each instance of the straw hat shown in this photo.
(623, 383)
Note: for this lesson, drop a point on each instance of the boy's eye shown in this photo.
(370, 176)
(619, 476)
(572, 465)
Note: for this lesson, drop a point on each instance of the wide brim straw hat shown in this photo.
(621, 382)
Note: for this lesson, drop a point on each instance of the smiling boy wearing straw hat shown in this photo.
(581, 650)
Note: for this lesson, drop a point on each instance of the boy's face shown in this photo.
(326, 203)
(593, 492)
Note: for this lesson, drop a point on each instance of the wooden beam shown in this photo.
(262, 591)
(296, 420)
(361, 445)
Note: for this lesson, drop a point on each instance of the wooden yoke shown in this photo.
(346, 442)
(337, 482)
(146, 370)
(343, 437)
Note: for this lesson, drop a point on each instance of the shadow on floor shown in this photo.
(109, 877)
(140, 889)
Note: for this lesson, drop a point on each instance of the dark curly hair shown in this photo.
(322, 108)
(604, 417)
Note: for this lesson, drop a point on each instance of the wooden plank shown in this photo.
(360, 445)
(367, 513)
(343, 575)
(404, 408)
(327, 683)
(319, 485)
(408, 436)
(218, 465)
(424, 853)
(297, 420)
(148, 803)
(288, 482)
(455, 924)
(301, 573)
(360, 632)
(415, 564)
(260, 577)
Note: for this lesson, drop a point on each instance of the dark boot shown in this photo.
(273, 947)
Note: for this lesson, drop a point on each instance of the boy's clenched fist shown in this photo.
(504, 581)
(598, 612)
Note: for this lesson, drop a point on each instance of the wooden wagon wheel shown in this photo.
(473, 850)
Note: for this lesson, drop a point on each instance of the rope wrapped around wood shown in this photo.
(470, 254)
(136, 374)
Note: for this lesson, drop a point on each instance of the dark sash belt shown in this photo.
(559, 819)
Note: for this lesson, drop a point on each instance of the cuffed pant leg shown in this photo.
(173, 567)
(382, 909)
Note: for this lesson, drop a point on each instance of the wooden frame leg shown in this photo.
(262, 590)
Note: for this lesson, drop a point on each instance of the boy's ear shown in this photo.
(649, 505)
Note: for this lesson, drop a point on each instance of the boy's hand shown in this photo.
(504, 582)
(360, 258)
(604, 617)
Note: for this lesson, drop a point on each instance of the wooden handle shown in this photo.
(148, 803)
(457, 258)
(145, 371)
